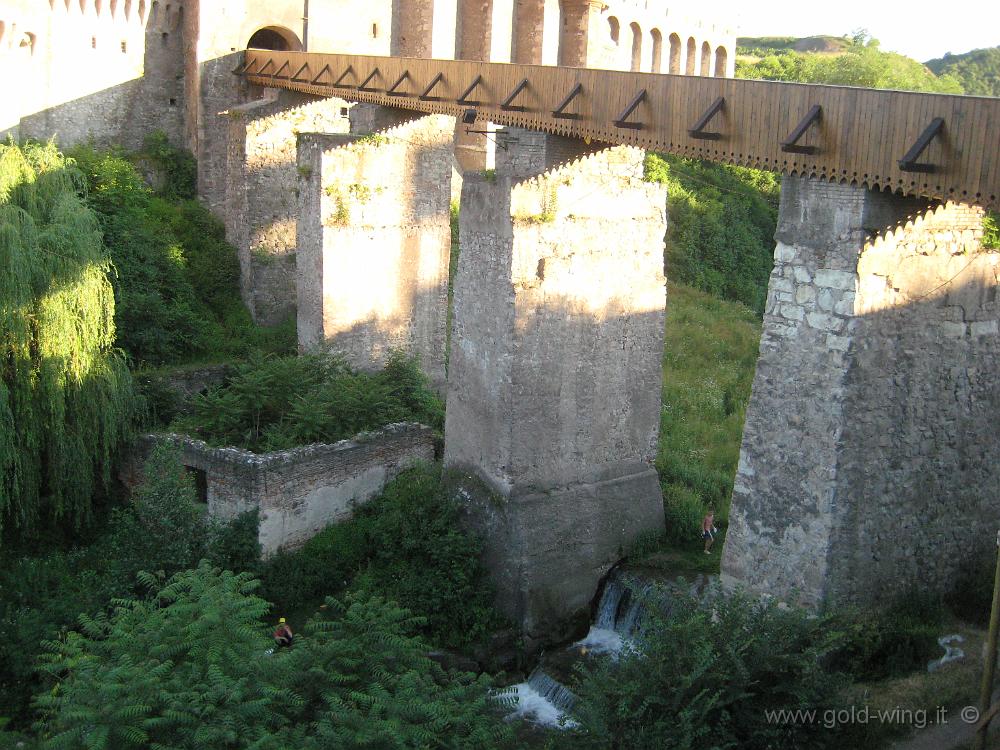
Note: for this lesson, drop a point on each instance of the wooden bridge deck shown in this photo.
(868, 136)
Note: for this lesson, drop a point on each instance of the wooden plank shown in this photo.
(863, 131)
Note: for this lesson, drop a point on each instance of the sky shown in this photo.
(920, 29)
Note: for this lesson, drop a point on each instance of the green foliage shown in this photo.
(991, 231)
(407, 545)
(709, 358)
(977, 71)
(163, 530)
(188, 667)
(720, 228)
(862, 63)
(706, 674)
(895, 642)
(277, 403)
(66, 397)
(179, 167)
(177, 292)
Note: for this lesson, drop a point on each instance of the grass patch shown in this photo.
(708, 366)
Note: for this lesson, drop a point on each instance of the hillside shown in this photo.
(759, 46)
(978, 71)
(840, 61)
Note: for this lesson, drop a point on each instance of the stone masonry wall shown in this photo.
(262, 193)
(298, 492)
(374, 241)
(555, 370)
(868, 464)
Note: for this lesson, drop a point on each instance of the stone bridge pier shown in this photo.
(555, 370)
(374, 238)
(868, 466)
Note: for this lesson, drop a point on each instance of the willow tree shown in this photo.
(66, 396)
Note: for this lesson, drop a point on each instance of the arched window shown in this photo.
(636, 46)
(721, 59)
(142, 11)
(675, 54)
(613, 28)
(98, 6)
(276, 38)
(114, 8)
(706, 59)
(83, 6)
(692, 51)
(657, 50)
(128, 10)
(28, 43)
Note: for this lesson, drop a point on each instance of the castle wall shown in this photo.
(110, 72)
(555, 368)
(868, 463)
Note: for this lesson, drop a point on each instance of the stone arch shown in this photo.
(98, 6)
(675, 54)
(83, 6)
(113, 7)
(128, 10)
(614, 29)
(721, 61)
(142, 11)
(636, 46)
(275, 37)
(706, 59)
(657, 50)
(692, 52)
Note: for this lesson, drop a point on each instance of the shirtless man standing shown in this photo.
(708, 530)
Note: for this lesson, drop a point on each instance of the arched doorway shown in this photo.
(276, 38)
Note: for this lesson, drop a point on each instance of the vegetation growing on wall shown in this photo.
(277, 403)
(66, 397)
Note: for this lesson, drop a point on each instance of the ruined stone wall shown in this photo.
(554, 370)
(868, 464)
(262, 193)
(374, 240)
(297, 492)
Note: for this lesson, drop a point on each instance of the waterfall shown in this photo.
(619, 616)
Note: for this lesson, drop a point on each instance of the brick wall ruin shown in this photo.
(297, 492)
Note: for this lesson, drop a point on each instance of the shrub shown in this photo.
(899, 640)
(278, 403)
(407, 545)
(189, 667)
(707, 674)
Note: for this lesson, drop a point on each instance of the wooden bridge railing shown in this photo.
(941, 146)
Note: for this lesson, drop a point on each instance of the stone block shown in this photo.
(831, 279)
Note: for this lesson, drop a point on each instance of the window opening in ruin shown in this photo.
(613, 24)
(200, 483)
(163, 37)
(374, 31)
(93, 42)
(720, 62)
(124, 46)
(343, 111)
(173, 102)
(636, 47)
